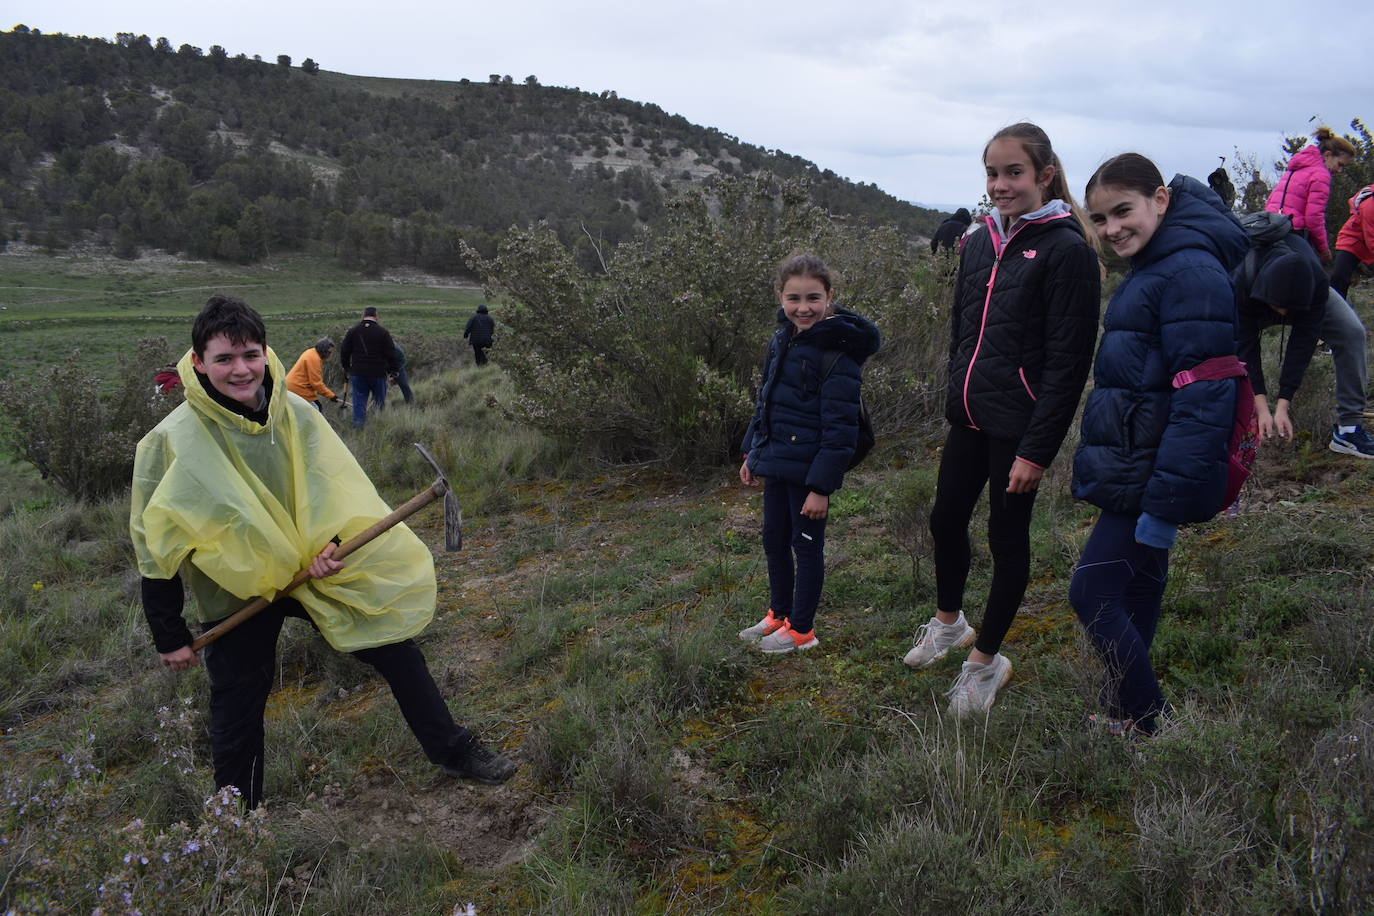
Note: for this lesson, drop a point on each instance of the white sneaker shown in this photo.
(934, 639)
(786, 639)
(976, 686)
(764, 627)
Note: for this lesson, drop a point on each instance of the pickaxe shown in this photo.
(453, 540)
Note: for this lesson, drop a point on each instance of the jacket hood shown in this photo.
(1196, 218)
(962, 215)
(199, 398)
(1304, 158)
(1289, 276)
(846, 331)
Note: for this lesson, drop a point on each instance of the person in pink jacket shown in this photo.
(1305, 187)
(1355, 243)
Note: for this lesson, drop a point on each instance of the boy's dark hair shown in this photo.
(1128, 171)
(230, 317)
(370, 311)
(803, 264)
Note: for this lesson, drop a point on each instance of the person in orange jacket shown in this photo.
(306, 377)
(1355, 243)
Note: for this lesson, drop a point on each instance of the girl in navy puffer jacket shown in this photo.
(800, 441)
(1151, 455)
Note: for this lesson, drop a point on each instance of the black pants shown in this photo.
(1342, 270)
(794, 546)
(479, 353)
(971, 460)
(241, 665)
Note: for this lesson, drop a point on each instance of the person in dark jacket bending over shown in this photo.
(478, 333)
(1279, 283)
(1153, 449)
(1022, 331)
(368, 356)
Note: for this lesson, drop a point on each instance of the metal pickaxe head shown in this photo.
(453, 514)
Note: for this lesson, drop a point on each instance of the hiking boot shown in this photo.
(934, 639)
(976, 686)
(786, 639)
(482, 765)
(1357, 443)
(761, 629)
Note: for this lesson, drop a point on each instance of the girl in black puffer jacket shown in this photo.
(1023, 326)
(800, 441)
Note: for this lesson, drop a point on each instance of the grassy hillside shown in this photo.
(588, 629)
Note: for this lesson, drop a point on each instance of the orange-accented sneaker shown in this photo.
(764, 627)
(786, 639)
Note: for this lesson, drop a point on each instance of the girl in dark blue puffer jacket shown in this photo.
(800, 441)
(1151, 455)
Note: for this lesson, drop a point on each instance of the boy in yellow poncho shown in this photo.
(236, 490)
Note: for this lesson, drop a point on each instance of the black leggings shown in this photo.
(971, 459)
(1342, 269)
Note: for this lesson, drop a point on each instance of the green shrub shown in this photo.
(80, 431)
(655, 359)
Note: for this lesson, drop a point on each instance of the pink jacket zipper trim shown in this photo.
(1022, 372)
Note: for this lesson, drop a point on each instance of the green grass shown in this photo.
(53, 306)
(588, 628)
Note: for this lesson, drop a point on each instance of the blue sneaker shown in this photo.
(1357, 443)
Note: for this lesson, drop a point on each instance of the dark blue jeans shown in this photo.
(1116, 591)
(364, 385)
(794, 546)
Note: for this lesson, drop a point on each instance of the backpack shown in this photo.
(866, 440)
(1262, 229)
(1240, 450)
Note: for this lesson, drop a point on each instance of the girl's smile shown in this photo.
(1126, 219)
(805, 301)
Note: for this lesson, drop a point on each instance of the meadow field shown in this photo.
(587, 628)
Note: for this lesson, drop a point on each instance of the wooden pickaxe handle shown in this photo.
(417, 502)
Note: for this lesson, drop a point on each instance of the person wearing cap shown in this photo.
(478, 333)
(306, 377)
(368, 355)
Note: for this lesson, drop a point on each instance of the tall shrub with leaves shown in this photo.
(656, 358)
(80, 431)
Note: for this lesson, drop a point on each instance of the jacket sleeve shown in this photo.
(1196, 323)
(1364, 218)
(467, 328)
(1248, 349)
(839, 398)
(1073, 294)
(163, 600)
(747, 445)
(346, 350)
(393, 359)
(1314, 210)
(1297, 355)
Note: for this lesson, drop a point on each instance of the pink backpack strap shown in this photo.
(1218, 367)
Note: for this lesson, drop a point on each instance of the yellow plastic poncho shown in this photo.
(239, 508)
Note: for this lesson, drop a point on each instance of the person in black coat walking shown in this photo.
(478, 333)
(368, 355)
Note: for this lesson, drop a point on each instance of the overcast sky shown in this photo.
(900, 93)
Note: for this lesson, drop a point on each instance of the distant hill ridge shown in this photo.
(133, 143)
